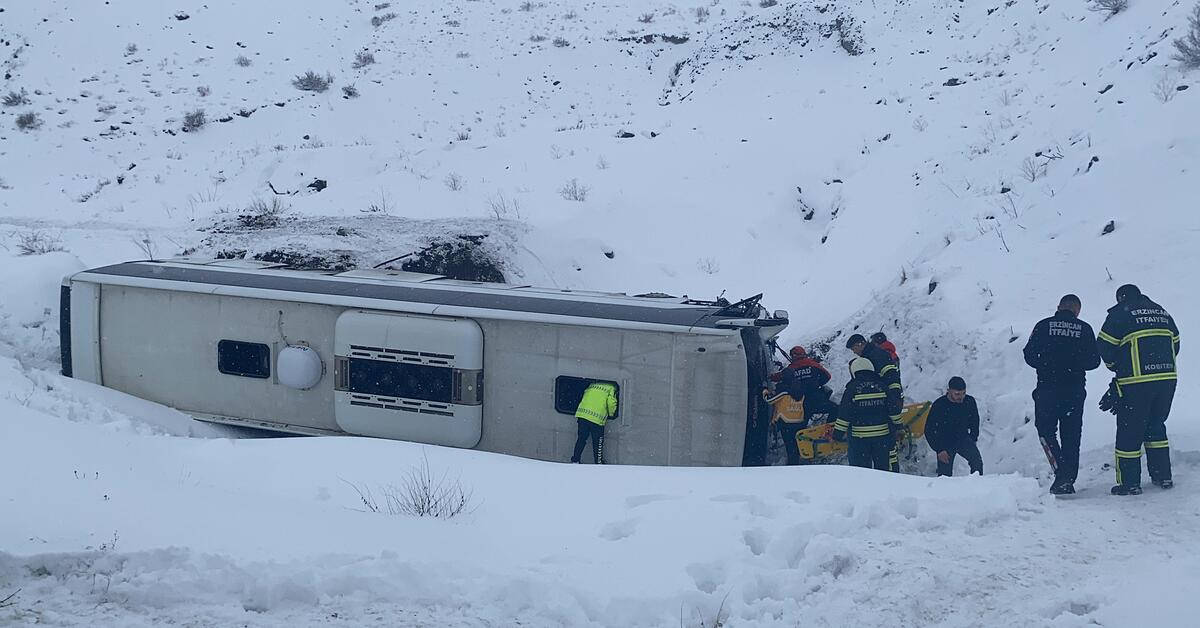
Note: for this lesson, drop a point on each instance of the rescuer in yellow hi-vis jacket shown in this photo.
(599, 404)
(789, 417)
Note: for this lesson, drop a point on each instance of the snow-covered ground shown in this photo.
(947, 185)
(108, 527)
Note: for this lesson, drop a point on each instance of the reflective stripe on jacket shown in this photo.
(599, 403)
(1139, 342)
(785, 407)
(864, 411)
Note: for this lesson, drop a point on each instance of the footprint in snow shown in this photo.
(708, 577)
(617, 530)
(756, 540)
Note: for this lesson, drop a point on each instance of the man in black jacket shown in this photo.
(1063, 349)
(1139, 342)
(953, 428)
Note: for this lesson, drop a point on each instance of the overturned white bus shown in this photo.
(425, 358)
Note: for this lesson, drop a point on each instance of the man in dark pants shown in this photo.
(1139, 342)
(953, 428)
(599, 404)
(1062, 348)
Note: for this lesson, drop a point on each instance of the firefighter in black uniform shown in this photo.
(1063, 349)
(864, 419)
(953, 428)
(885, 368)
(889, 375)
(1139, 342)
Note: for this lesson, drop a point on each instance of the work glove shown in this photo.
(1108, 403)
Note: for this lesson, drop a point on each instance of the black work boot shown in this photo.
(1129, 472)
(1065, 488)
(1158, 462)
(1165, 484)
(1123, 489)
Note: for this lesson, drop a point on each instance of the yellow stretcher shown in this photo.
(816, 443)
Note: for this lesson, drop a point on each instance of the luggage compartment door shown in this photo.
(409, 377)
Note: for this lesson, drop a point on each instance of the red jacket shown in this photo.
(887, 345)
(804, 365)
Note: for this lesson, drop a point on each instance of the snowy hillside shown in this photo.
(938, 169)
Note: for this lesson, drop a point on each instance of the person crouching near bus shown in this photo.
(864, 419)
(599, 404)
(953, 428)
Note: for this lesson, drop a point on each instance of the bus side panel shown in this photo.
(710, 401)
(522, 364)
(164, 346)
(399, 374)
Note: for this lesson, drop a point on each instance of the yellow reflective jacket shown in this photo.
(785, 407)
(599, 403)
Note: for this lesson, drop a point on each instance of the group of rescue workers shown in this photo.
(1138, 342)
(869, 416)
